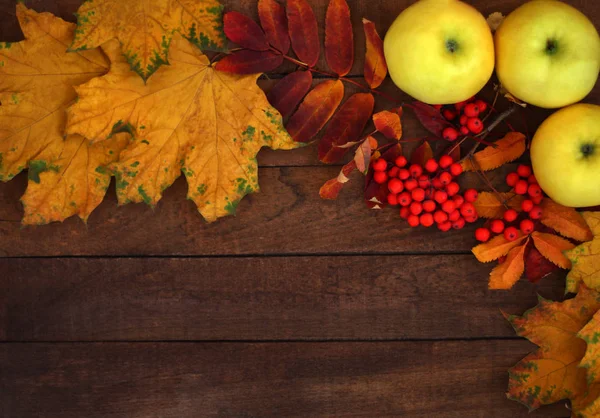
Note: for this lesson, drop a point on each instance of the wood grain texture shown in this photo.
(296, 298)
(174, 380)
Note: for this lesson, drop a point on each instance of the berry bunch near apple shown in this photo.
(467, 118)
(545, 53)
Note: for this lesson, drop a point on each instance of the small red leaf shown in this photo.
(430, 118)
(375, 66)
(244, 31)
(332, 188)
(375, 194)
(304, 31)
(316, 109)
(537, 266)
(346, 126)
(339, 38)
(250, 62)
(274, 22)
(289, 91)
(422, 154)
(389, 123)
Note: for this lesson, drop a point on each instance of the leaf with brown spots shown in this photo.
(507, 149)
(586, 257)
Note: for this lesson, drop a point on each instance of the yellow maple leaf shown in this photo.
(145, 28)
(564, 220)
(505, 150)
(490, 205)
(552, 247)
(187, 118)
(37, 76)
(586, 257)
(553, 372)
(505, 275)
(495, 248)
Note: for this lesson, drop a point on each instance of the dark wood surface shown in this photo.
(295, 308)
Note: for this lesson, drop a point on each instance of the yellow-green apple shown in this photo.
(547, 54)
(440, 51)
(565, 154)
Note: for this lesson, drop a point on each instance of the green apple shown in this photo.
(440, 51)
(565, 154)
(547, 54)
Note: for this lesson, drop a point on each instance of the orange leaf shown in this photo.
(586, 258)
(375, 66)
(508, 149)
(362, 157)
(564, 220)
(552, 247)
(339, 38)
(316, 109)
(505, 275)
(422, 154)
(304, 31)
(331, 189)
(274, 22)
(488, 204)
(495, 248)
(389, 123)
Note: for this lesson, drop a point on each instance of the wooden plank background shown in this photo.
(295, 308)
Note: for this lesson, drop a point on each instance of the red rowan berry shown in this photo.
(527, 205)
(416, 208)
(458, 200)
(395, 186)
(452, 189)
(440, 217)
(411, 184)
(459, 223)
(415, 170)
(497, 226)
(510, 215)
(404, 199)
(472, 219)
(511, 233)
(380, 164)
(448, 206)
(413, 221)
(464, 130)
(521, 187)
(403, 174)
(471, 110)
(463, 121)
(431, 165)
(449, 114)
(440, 196)
(527, 226)
(475, 125)
(450, 134)
(456, 169)
(534, 190)
(471, 195)
(532, 180)
(454, 216)
(445, 227)
(393, 172)
(429, 206)
(481, 105)
(404, 212)
(445, 177)
(437, 183)
(438, 106)
(392, 199)
(426, 219)
(535, 213)
(460, 105)
(537, 199)
(524, 171)
(512, 179)
(380, 177)
(482, 234)
(418, 195)
(446, 161)
(424, 182)
(401, 161)
(468, 210)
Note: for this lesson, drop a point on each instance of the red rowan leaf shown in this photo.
(304, 31)
(389, 123)
(430, 118)
(346, 126)
(249, 62)
(422, 154)
(339, 38)
(289, 91)
(537, 266)
(316, 109)
(454, 152)
(331, 189)
(274, 22)
(375, 66)
(244, 31)
(362, 157)
(375, 194)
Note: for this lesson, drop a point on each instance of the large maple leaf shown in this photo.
(586, 258)
(189, 117)
(37, 77)
(145, 27)
(555, 371)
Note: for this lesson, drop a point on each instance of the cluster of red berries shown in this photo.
(427, 193)
(524, 183)
(466, 117)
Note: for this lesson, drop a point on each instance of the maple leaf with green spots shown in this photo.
(145, 28)
(586, 257)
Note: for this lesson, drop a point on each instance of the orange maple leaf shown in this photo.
(586, 257)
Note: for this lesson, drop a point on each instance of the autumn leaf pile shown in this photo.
(74, 115)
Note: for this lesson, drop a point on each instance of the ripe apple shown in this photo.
(440, 51)
(547, 54)
(565, 154)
